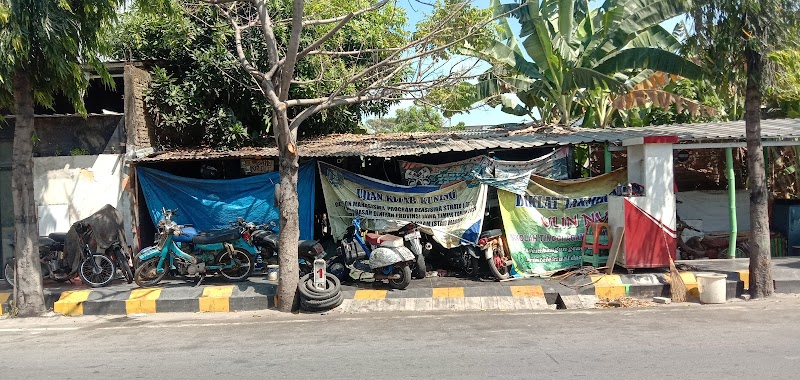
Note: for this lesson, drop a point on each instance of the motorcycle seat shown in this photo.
(379, 240)
(305, 248)
(187, 234)
(491, 234)
(216, 236)
(58, 237)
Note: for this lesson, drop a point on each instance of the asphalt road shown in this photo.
(757, 339)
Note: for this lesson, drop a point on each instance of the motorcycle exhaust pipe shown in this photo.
(381, 276)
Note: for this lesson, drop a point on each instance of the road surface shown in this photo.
(756, 339)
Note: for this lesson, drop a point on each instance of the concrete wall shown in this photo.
(71, 188)
(711, 207)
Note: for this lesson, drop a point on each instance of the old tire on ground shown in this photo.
(147, 275)
(313, 299)
(244, 265)
(404, 280)
(97, 271)
(497, 263)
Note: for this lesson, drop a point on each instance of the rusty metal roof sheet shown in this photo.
(414, 144)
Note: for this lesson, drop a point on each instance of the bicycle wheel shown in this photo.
(97, 271)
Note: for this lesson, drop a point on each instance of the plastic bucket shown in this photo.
(712, 287)
(272, 272)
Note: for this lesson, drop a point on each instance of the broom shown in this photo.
(677, 288)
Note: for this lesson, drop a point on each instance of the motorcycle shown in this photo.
(95, 270)
(412, 239)
(385, 256)
(188, 252)
(54, 263)
(467, 257)
(265, 238)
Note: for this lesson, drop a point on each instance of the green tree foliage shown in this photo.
(412, 119)
(739, 34)
(199, 93)
(568, 50)
(43, 45)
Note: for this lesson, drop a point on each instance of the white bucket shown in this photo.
(272, 272)
(712, 287)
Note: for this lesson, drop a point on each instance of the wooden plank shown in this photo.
(619, 236)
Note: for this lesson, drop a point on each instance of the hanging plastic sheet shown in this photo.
(216, 203)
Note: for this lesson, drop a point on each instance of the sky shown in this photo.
(485, 115)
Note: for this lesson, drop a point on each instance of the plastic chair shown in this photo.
(592, 240)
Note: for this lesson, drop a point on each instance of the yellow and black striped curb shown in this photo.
(656, 285)
(522, 297)
(104, 301)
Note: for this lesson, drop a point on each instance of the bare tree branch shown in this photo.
(351, 52)
(289, 61)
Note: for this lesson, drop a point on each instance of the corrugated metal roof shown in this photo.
(413, 144)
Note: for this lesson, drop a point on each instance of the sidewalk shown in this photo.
(430, 294)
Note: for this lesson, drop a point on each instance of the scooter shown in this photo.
(412, 239)
(183, 249)
(384, 256)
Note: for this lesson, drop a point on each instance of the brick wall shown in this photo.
(138, 122)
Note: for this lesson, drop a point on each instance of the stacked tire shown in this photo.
(314, 299)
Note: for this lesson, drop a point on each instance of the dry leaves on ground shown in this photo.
(608, 303)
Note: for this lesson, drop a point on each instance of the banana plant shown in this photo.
(570, 54)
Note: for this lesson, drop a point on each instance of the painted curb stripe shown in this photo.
(691, 284)
(527, 291)
(142, 301)
(71, 302)
(448, 292)
(216, 299)
(370, 294)
(3, 299)
(609, 286)
(744, 276)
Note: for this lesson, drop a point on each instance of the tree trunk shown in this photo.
(28, 293)
(289, 214)
(761, 284)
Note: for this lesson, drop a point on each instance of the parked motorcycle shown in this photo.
(412, 240)
(189, 252)
(384, 256)
(54, 263)
(265, 238)
(95, 270)
(467, 257)
(495, 254)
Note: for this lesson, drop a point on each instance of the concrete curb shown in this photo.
(492, 297)
(103, 301)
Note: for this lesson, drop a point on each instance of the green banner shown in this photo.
(544, 228)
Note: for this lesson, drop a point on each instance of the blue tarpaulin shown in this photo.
(209, 204)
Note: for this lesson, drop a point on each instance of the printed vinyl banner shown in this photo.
(507, 175)
(451, 214)
(544, 228)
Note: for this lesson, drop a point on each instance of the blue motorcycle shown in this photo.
(188, 252)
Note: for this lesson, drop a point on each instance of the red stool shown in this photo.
(593, 232)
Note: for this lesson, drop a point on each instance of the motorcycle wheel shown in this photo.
(125, 267)
(8, 273)
(404, 280)
(420, 270)
(147, 275)
(242, 271)
(98, 275)
(497, 263)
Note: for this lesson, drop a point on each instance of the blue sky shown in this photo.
(484, 115)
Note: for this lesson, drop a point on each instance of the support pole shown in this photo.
(731, 202)
(607, 159)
